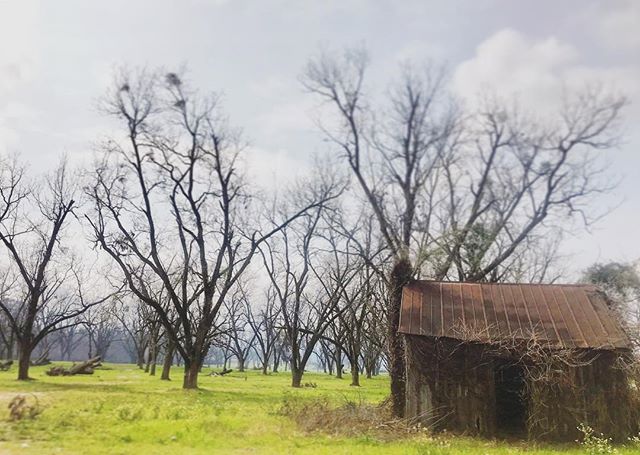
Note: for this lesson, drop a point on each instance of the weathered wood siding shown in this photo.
(450, 387)
(598, 394)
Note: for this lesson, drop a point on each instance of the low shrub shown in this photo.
(349, 418)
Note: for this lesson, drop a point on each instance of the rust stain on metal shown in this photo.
(563, 316)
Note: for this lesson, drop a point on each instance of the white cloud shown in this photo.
(536, 72)
(420, 51)
(618, 23)
(273, 170)
(18, 26)
(18, 52)
(539, 72)
(509, 64)
(287, 117)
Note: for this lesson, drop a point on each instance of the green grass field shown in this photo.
(121, 410)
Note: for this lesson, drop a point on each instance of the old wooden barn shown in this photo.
(516, 359)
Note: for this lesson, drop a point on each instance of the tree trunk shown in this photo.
(152, 369)
(90, 345)
(191, 369)
(166, 365)
(296, 376)
(368, 368)
(24, 357)
(140, 361)
(338, 362)
(355, 374)
(265, 366)
(241, 364)
(9, 348)
(401, 274)
(147, 365)
(154, 358)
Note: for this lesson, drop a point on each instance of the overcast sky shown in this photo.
(57, 58)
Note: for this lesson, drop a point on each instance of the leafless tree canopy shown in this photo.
(171, 206)
(44, 285)
(458, 193)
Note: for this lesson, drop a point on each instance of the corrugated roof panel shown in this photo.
(532, 308)
(469, 306)
(563, 316)
(425, 315)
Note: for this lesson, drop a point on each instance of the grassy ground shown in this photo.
(120, 410)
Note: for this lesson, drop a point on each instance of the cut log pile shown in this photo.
(87, 367)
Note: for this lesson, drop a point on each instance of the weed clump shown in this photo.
(20, 408)
(595, 444)
(130, 413)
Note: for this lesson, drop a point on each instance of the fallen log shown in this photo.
(222, 373)
(4, 366)
(86, 367)
(42, 360)
(56, 371)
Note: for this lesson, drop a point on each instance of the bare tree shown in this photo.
(456, 195)
(45, 290)
(308, 282)
(133, 317)
(101, 329)
(374, 354)
(240, 340)
(392, 169)
(7, 334)
(358, 304)
(265, 325)
(352, 327)
(281, 352)
(520, 181)
(69, 339)
(167, 361)
(169, 200)
(289, 280)
(325, 352)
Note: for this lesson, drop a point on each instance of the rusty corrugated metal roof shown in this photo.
(562, 316)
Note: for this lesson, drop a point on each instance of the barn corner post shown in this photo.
(411, 380)
(401, 275)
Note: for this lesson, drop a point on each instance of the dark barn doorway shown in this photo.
(511, 400)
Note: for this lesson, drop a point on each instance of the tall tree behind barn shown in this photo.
(457, 193)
